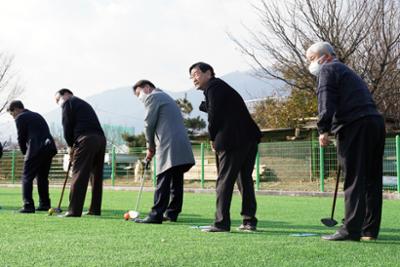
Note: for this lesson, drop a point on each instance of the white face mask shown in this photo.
(61, 101)
(142, 96)
(315, 67)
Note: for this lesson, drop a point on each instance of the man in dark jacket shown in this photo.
(37, 144)
(346, 109)
(234, 136)
(87, 143)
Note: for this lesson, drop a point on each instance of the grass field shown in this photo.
(40, 240)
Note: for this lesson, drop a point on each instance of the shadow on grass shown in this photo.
(275, 228)
(388, 236)
(9, 208)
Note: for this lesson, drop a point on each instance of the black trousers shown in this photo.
(39, 167)
(360, 152)
(236, 165)
(87, 164)
(168, 196)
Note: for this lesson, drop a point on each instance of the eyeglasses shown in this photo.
(195, 74)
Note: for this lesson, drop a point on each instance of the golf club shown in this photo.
(133, 214)
(58, 209)
(330, 222)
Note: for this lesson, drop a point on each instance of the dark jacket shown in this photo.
(79, 119)
(343, 97)
(33, 134)
(229, 122)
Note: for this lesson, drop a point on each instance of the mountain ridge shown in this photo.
(120, 107)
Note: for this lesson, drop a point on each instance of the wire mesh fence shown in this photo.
(289, 166)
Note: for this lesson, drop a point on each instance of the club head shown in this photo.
(54, 211)
(133, 214)
(328, 222)
(51, 211)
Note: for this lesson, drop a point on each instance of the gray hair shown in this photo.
(322, 48)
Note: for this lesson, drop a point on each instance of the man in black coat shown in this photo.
(234, 136)
(37, 144)
(346, 109)
(87, 143)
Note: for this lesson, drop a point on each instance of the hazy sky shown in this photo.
(94, 45)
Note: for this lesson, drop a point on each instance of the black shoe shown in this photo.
(68, 214)
(166, 218)
(340, 237)
(43, 208)
(214, 229)
(27, 210)
(147, 220)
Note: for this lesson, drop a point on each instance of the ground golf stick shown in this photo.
(58, 209)
(133, 214)
(330, 222)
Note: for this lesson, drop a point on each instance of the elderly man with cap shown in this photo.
(346, 109)
(37, 144)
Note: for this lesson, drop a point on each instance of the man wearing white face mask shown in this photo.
(166, 137)
(346, 109)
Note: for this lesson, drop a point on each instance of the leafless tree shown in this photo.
(9, 85)
(365, 34)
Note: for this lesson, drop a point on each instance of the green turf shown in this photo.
(40, 240)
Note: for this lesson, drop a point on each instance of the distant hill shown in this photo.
(120, 107)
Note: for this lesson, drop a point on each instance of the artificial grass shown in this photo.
(41, 240)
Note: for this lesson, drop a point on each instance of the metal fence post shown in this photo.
(321, 168)
(13, 166)
(202, 165)
(154, 172)
(113, 165)
(258, 168)
(398, 162)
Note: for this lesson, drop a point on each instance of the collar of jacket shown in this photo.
(22, 112)
(210, 81)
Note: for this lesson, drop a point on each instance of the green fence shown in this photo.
(290, 166)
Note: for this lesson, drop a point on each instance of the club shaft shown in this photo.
(65, 183)
(140, 190)
(336, 190)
